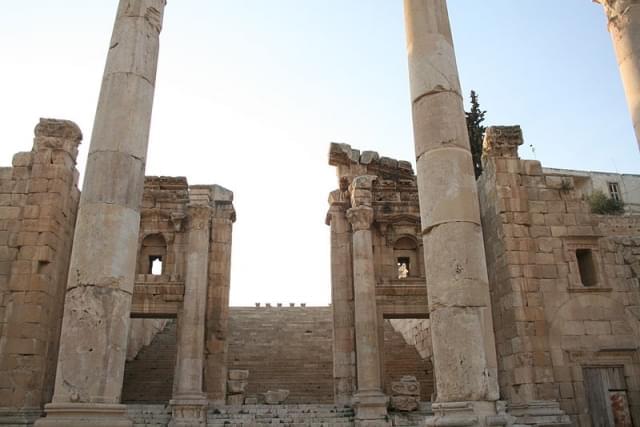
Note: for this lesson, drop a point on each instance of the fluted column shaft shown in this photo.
(461, 324)
(342, 304)
(623, 17)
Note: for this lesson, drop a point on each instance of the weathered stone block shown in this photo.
(276, 397)
(238, 374)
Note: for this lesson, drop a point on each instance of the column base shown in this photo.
(371, 409)
(189, 410)
(539, 413)
(84, 415)
(465, 414)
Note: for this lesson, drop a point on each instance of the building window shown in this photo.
(614, 191)
(403, 267)
(586, 267)
(155, 265)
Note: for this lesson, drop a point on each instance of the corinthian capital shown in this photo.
(360, 217)
(616, 9)
(199, 216)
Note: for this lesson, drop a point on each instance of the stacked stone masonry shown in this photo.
(38, 205)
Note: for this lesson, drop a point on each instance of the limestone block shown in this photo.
(238, 374)
(404, 403)
(235, 399)
(276, 397)
(236, 386)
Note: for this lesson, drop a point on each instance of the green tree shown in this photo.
(475, 117)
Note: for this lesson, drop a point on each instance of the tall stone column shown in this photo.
(189, 402)
(369, 401)
(462, 334)
(623, 18)
(342, 299)
(217, 318)
(101, 272)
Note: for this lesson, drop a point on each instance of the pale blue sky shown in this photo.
(251, 92)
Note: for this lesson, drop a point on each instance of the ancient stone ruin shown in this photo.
(502, 301)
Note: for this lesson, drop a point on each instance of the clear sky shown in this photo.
(251, 92)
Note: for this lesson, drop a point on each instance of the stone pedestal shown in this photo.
(465, 366)
(188, 412)
(95, 323)
(623, 17)
(369, 402)
(342, 300)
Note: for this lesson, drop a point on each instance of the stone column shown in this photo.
(217, 318)
(623, 18)
(189, 402)
(369, 401)
(342, 300)
(101, 272)
(458, 292)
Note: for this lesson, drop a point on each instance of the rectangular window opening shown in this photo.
(403, 267)
(155, 265)
(614, 191)
(587, 267)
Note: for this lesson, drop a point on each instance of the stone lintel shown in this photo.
(502, 141)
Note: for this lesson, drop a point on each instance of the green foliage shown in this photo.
(601, 204)
(475, 117)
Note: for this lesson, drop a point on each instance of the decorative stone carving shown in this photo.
(406, 394)
(502, 141)
(360, 218)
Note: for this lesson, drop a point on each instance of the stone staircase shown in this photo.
(159, 415)
(149, 377)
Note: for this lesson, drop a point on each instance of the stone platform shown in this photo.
(159, 415)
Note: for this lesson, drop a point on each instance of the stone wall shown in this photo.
(38, 203)
(564, 283)
(284, 348)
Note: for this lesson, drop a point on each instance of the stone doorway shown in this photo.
(607, 397)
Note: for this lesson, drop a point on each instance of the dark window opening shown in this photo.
(614, 191)
(403, 267)
(155, 265)
(587, 267)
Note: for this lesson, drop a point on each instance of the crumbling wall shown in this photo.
(38, 204)
(564, 285)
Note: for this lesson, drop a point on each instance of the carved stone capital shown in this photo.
(502, 141)
(360, 218)
(225, 211)
(616, 9)
(199, 217)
